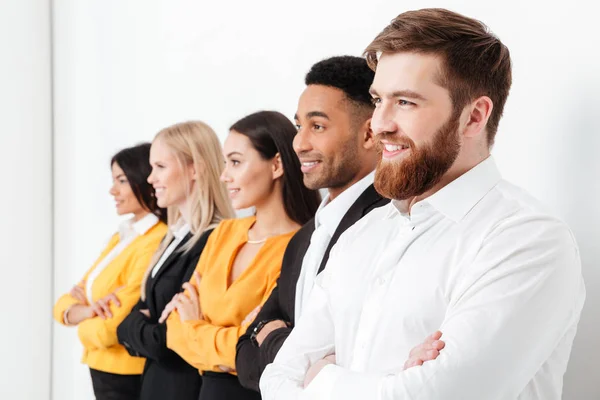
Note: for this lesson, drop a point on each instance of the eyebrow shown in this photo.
(312, 114)
(120, 176)
(400, 93)
(234, 153)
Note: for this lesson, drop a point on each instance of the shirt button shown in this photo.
(380, 281)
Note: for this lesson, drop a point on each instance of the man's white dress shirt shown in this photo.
(480, 261)
(327, 219)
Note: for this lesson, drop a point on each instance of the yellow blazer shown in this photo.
(210, 342)
(102, 350)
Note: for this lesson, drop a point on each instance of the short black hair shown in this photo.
(135, 163)
(350, 74)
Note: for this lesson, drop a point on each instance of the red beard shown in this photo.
(422, 169)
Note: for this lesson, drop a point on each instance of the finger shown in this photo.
(191, 289)
(112, 297)
(193, 294)
(183, 299)
(98, 310)
(163, 317)
(105, 308)
(198, 279)
(438, 344)
(435, 336)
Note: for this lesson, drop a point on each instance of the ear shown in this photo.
(277, 167)
(478, 115)
(367, 135)
(195, 172)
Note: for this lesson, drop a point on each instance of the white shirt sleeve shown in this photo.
(311, 340)
(522, 294)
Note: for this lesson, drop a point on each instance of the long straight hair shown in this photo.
(195, 143)
(271, 133)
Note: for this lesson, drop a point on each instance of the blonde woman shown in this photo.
(186, 164)
(120, 268)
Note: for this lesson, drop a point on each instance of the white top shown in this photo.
(327, 219)
(128, 231)
(480, 261)
(180, 231)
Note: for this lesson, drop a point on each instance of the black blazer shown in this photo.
(251, 361)
(166, 375)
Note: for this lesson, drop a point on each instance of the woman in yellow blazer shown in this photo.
(92, 305)
(241, 262)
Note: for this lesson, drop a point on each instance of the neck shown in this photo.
(461, 166)
(139, 215)
(271, 218)
(185, 210)
(335, 192)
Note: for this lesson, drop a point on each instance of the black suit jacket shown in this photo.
(166, 375)
(250, 360)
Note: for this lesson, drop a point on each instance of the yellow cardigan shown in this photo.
(99, 337)
(210, 342)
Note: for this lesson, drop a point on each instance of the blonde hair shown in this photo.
(197, 144)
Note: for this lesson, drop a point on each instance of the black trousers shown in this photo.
(109, 386)
(221, 386)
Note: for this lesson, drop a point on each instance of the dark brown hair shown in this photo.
(475, 62)
(271, 133)
(135, 163)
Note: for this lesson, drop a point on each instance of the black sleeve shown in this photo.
(250, 361)
(143, 338)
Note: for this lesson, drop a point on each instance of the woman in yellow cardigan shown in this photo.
(92, 305)
(240, 264)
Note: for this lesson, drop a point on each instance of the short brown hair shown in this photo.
(476, 62)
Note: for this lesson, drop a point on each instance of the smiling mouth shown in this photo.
(307, 166)
(392, 150)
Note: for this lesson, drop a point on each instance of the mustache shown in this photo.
(311, 155)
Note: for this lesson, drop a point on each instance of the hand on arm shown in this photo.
(188, 306)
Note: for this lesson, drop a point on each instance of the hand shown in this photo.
(102, 306)
(168, 309)
(250, 317)
(79, 294)
(314, 369)
(189, 306)
(225, 368)
(267, 329)
(426, 351)
(146, 313)
(78, 313)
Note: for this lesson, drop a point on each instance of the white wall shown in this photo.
(25, 199)
(125, 69)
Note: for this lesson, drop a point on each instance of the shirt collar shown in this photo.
(180, 229)
(138, 228)
(331, 213)
(457, 198)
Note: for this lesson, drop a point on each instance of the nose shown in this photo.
(383, 120)
(151, 178)
(225, 178)
(113, 190)
(301, 142)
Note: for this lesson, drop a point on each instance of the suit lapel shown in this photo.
(297, 249)
(170, 260)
